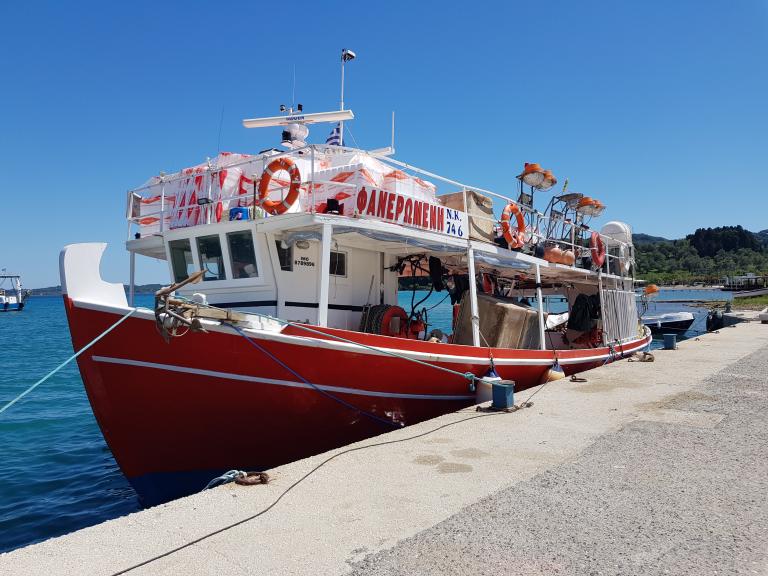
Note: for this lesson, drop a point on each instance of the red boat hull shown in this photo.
(175, 415)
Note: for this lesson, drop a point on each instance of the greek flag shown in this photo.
(334, 138)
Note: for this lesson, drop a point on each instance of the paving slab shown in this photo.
(568, 486)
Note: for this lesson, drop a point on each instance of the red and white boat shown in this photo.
(307, 245)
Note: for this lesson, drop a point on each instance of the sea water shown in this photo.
(56, 472)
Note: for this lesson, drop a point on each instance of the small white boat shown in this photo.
(11, 299)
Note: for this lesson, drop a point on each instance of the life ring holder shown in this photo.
(597, 249)
(516, 238)
(275, 207)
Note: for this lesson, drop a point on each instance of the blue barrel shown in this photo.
(670, 341)
(503, 394)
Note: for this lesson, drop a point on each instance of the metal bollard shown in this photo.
(670, 341)
(503, 394)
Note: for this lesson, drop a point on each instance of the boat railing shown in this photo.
(571, 235)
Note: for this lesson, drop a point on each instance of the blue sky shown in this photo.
(657, 108)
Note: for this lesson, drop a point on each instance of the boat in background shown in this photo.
(749, 283)
(665, 322)
(13, 298)
(668, 322)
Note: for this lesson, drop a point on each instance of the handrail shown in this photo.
(539, 222)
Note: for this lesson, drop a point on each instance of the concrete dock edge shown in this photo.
(443, 502)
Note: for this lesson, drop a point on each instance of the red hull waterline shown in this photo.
(175, 415)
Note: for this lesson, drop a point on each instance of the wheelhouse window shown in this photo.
(242, 254)
(211, 258)
(338, 263)
(285, 255)
(181, 259)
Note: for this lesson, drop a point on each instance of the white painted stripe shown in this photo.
(271, 381)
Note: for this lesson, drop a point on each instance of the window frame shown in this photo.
(346, 264)
(191, 246)
(260, 245)
(290, 256)
(224, 268)
(229, 262)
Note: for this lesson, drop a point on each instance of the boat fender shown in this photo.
(275, 207)
(597, 248)
(555, 372)
(515, 238)
(484, 386)
(553, 254)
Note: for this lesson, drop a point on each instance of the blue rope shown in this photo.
(67, 361)
(300, 377)
(467, 375)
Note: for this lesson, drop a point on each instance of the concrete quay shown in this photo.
(645, 468)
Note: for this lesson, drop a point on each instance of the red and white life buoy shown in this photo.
(279, 206)
(390, 314)
(597, 247)
(515, 238)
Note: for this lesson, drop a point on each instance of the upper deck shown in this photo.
(376, 201)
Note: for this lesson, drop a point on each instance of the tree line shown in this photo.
(707, 255)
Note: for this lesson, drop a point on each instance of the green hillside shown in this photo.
(647, 239)
(707, 255)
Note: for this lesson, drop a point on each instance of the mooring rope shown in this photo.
(67, 361)
(467, 375)
(333, 397)
(292, 486)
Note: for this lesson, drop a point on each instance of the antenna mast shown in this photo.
(345, 56)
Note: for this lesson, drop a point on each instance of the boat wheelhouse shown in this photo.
(293, 340)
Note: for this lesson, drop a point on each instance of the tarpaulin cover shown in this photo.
(228, 181)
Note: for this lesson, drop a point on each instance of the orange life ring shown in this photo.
(516, 238)
(389, 314)
(597, 247)
(279, 206)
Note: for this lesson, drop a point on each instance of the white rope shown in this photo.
(67, 361)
